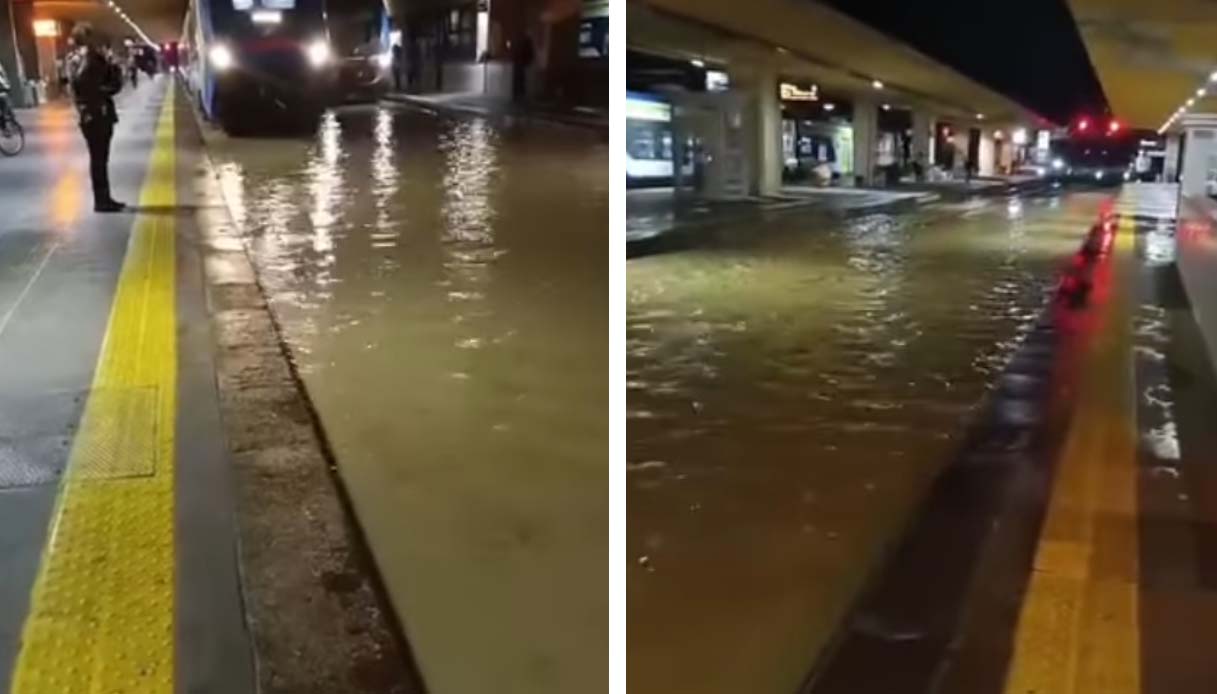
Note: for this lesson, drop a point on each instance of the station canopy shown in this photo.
(836, 51)
(1150, 56)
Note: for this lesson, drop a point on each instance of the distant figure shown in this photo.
(413, 61)
(522, 56)
(133, 71)
(918, 167)
(437, 54)
(397, 66)
(5, 106)
(95, 79)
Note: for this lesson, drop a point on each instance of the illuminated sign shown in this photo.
(793, 92)
(1020, 136)
(47, 28)
(717, 81)
(642, 108)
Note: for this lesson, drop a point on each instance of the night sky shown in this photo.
(1028, 50)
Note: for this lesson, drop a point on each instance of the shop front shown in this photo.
(817, 138)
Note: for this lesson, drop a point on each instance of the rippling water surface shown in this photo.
(443, 284)
(789, 398)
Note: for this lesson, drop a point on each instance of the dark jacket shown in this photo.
(95, 80)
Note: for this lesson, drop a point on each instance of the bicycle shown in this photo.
(12, 135)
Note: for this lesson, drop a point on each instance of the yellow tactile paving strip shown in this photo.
(101, 615)
(1078, 630)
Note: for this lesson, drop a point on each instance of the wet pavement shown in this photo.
(793, 390)
(441, 283)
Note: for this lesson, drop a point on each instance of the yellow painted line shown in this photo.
(101, 614)
(1078, 630)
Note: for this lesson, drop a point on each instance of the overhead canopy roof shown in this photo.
(1150, 56)
(838, 51)
(161, 20)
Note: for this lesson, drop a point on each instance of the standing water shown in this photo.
(792, 390)
(443, 285)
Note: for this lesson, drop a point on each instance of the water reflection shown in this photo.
(470, 151)
(788, 400)
(325, 172)
(384, 181)
(442, 285)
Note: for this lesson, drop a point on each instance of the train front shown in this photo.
(269, 55)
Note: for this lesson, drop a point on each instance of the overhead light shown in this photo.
(1200, 92)
(980, 116)
(876, 84)
(697, 63)
(46, 28)
(266, 17)
(887, 107)
(828, 106)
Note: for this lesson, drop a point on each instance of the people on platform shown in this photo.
(132, 70)
(95, 79)
(4, 87)
(6, 107)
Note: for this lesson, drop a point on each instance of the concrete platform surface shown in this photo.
(107, 407)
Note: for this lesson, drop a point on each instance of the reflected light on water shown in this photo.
(468, 213)
(470, 150)
(232, 187)
(384, 181)
(326, 186)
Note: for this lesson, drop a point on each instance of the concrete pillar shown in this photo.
(986, 153)
(10, 56)
(765, 117)
(1200, 153)
(923, 136)
(1171, 168)
(866, 133)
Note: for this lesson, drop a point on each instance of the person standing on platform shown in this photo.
(397, 66)
(95, 79)
(132, 70)
(522, 55)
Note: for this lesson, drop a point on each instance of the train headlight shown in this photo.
(318, 53)
(1058, 163)
(221, 57)
(384, 60)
